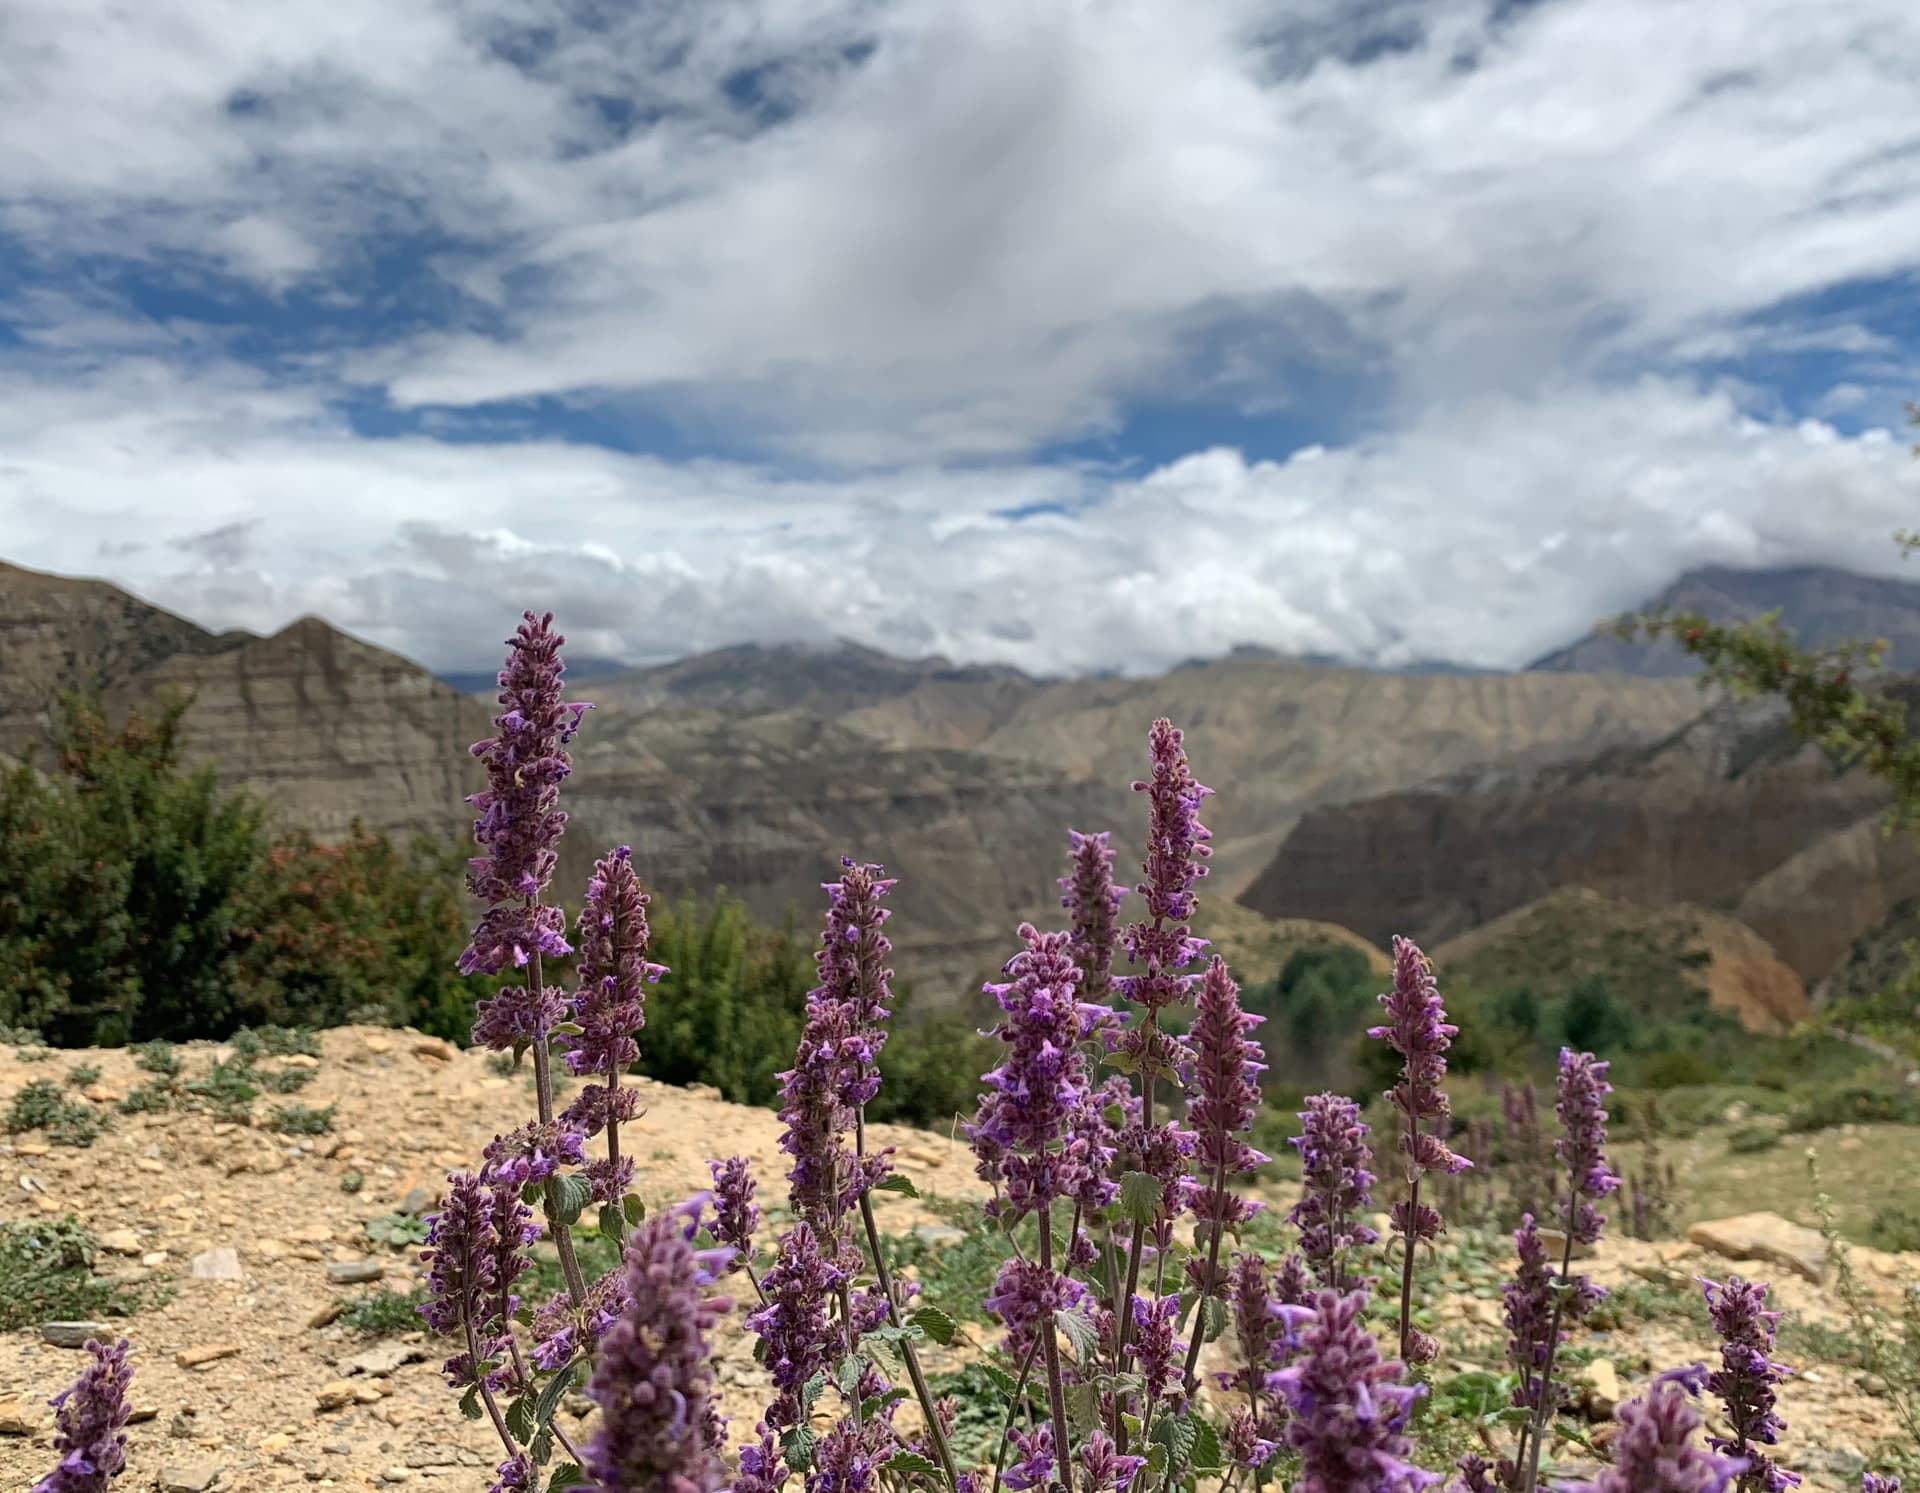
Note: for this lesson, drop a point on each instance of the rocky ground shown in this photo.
(247, 1379)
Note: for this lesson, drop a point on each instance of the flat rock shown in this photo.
(189, 1477)
(1603, 1388)
(72, 1334)
(121, 1242)
(21, 1415)
(217, 1264)
(337, 1394)
(1768, 1237)
(194, 1358)
(354, 1272)
(382, 1358)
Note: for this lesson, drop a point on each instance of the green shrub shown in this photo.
(1749, 1140)
(82, 1075)
(47, 1267)
(158, 1057)
(42, 1106)
(1895, 1227)
(301, 1119)
(382, 1313)
(1854, 1104)
(147, 1098)
(228, 1090)
(284, 1080)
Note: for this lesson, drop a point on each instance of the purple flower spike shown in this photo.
(763, 1469)
(519, 823)
(1879, 1482)
(90, 1418)
(1093, 903)
(1227, 1073)
(736, 1215)
(1583, 1113)
(463, 1257)
(1746, 1378)
(1336, 1186)
(614, 970)
(1349, 1408)
(1417, 1029)
(1033, 1459)
(653, 1380)
(1154, 1348)
(836, 1068)
(1176, 854)
(800, 1341)
(1105, 1469)
(1034, 1135)
(1025, 1297)
(1654, 1452)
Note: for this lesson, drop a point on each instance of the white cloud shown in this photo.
(1488, 531)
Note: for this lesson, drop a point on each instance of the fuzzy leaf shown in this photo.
(470, 1403)
(610, 1221)
(910, 1463)
(847, 1372)
(1082, 1335)
(1002, 1380)
(635, 1210)
(566, 1475)
(1206, 1459)
(1083, 1405)
(894, 1182)
(520, 1418)
(1140, 1197)
(1213, 1318)
(812, 1390)
(1177, 1435)
(935, 1323)
(549, 1400)
(575, 1193)
(797, 1447)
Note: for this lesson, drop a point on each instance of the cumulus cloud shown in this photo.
(1571, 270)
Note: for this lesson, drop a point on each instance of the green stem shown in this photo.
(1050, 1347)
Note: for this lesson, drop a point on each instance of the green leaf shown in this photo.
(1206, 1459)
(1156, 1461)
(797, 1446)
(1001, 1379)
(847, 1372)
(874, 1404)
(635, 1210)
(1177, 1434)
(565, 1029)
(550, 1394)
(520, 1418)
(1082, 1335)
(575, 1193)
(610, 1222)
(897, 1183)
(812, 1390)
(566, 1475)
(910, 1463)
(470, 1403)
(541, 1447)
(1083, 1405)
(1140, 1197)
(935, 1323)
(1213, 1318)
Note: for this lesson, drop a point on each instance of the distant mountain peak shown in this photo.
(1822, 604)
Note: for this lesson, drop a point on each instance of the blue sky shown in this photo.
(1081, 335)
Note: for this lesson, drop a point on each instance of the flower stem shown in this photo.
(1536, 1442)
(1187, 1375)
(1013, 1409)
(559, 1232)
(1050, 1346)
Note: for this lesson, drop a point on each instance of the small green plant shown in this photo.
(42, 1106)
(501, 1064)
(301, 1119)
(48, 1270)
(82, 1075)
(396, 1230)
(352, 1182)
(256, 1042)
(154, 1095)
(160, 1058)
(1854, 1104)
(383, 1314)
(1750, 1140)
(285, 1080)
(228, 1090)
(1895, 1227)
(21, 1036)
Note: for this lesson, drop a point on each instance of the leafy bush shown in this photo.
(301, 1119)
(383, 1313)
(158, 1057)
(1854, 1104)
(42, 1106)
(83, 1075)
(1749, 1140)
(48, 1268)
(1895, 1227)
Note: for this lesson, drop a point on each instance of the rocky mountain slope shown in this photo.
(1730, 811)
(756, 769)
(1821, 604)
(1649, 955)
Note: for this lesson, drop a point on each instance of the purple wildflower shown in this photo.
(90, 1418)
(533, 1153)
(1348, 1408)
(1654, 1451)
(1336, 1185)
(515, 1475)
(1226, 1076)
(653, 1378)
(598, 1105)
(836, 1067)
(1033, 1459)
(463, 1256)
(1093, 903)
(1154, 1347)
(1027, 1131)
(1418, 1030)
(519, 823)
(1879, 1482)
(1250, 1440)
(1176, 851)
(1104, 1466)
(763, 1469)
(614, 970)
(1746, 1378)
(1259, 1327)
(561, 1329)
(843, 1462)
(736, 1215)
(800, 1341)
(1531, 1333)
(1583, 1113)
(1026, 1294)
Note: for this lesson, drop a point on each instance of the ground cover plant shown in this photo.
(1114, 1125)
